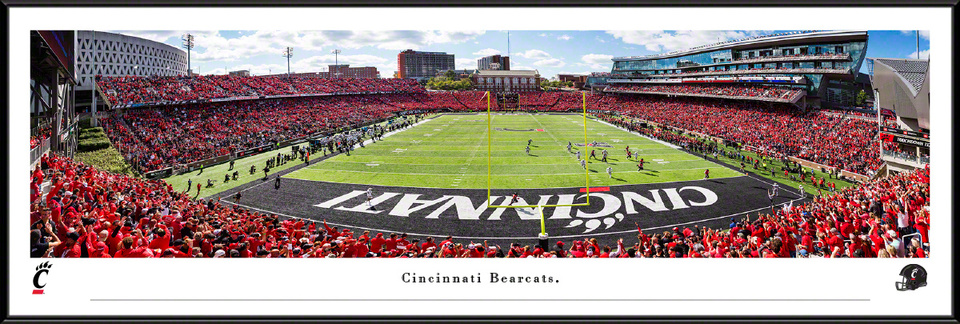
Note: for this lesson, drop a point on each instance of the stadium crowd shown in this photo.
(88, 213)
(38, 135)
(131, 89)
(846, 143)
(181, 134)
(36, 140)
(165, 137)
(739, 91)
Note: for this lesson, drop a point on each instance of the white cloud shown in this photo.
(543, 35)
(533, 54)
(318, 63)
(212, 46)
(924, 55)
(321, 62)
(600, 39)
(597, 58)
(925, 34)
(665, 41)
(215, 47)
(487, 52)
(540, 58)
(214, 71)
(465, 63)
(564, 37)
(568, 72)
(550, 62)
(521, 67)
(260, 69)
(597, 61)
(160, 35)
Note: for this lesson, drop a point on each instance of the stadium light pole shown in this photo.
(188, 44)
(288, 53)
(918, 44)
(336, 61)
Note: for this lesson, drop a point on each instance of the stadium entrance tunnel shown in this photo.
(463, 213)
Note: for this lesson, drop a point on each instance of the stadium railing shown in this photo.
(679, 94)
(38, 151)
(904, 240)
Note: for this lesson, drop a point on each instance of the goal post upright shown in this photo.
(543, 226)
(489, 146)
(586, 170)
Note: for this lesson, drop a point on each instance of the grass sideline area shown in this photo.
(94, 148)
(450, 151)
(216, 172)
(776, 165)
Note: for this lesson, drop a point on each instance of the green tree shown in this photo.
(450, 75)
(861, 98)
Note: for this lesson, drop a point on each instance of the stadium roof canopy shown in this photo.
(913, 72)
(781, 39)
(902, 86)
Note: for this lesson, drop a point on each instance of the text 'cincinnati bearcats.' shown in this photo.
(413, 277)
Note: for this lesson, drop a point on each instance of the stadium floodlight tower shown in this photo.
(188, 44)
(288, 53)
(336, 61)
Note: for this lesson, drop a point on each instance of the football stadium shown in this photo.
(767, 146)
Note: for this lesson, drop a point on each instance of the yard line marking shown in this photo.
(484, 174)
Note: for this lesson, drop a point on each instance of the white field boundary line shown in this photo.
(665, 143)
(640, 135)
(454, 164)
(522, 146)
(479, 174)
(367, 142)
(448, 188)
(507, 237)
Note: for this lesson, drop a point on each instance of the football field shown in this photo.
(451, 151)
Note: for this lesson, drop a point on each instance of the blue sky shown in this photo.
(550, 52)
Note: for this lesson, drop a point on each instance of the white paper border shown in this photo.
(72, 283)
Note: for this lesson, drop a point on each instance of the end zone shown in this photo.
(463, 213)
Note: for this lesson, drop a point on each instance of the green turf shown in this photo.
(450, 151)
(216, 173)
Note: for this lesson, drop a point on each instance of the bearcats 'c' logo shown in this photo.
(42, 269)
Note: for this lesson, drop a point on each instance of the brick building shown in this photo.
(513, 81)
(578, 80)
(423, 65)
(494, 62)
